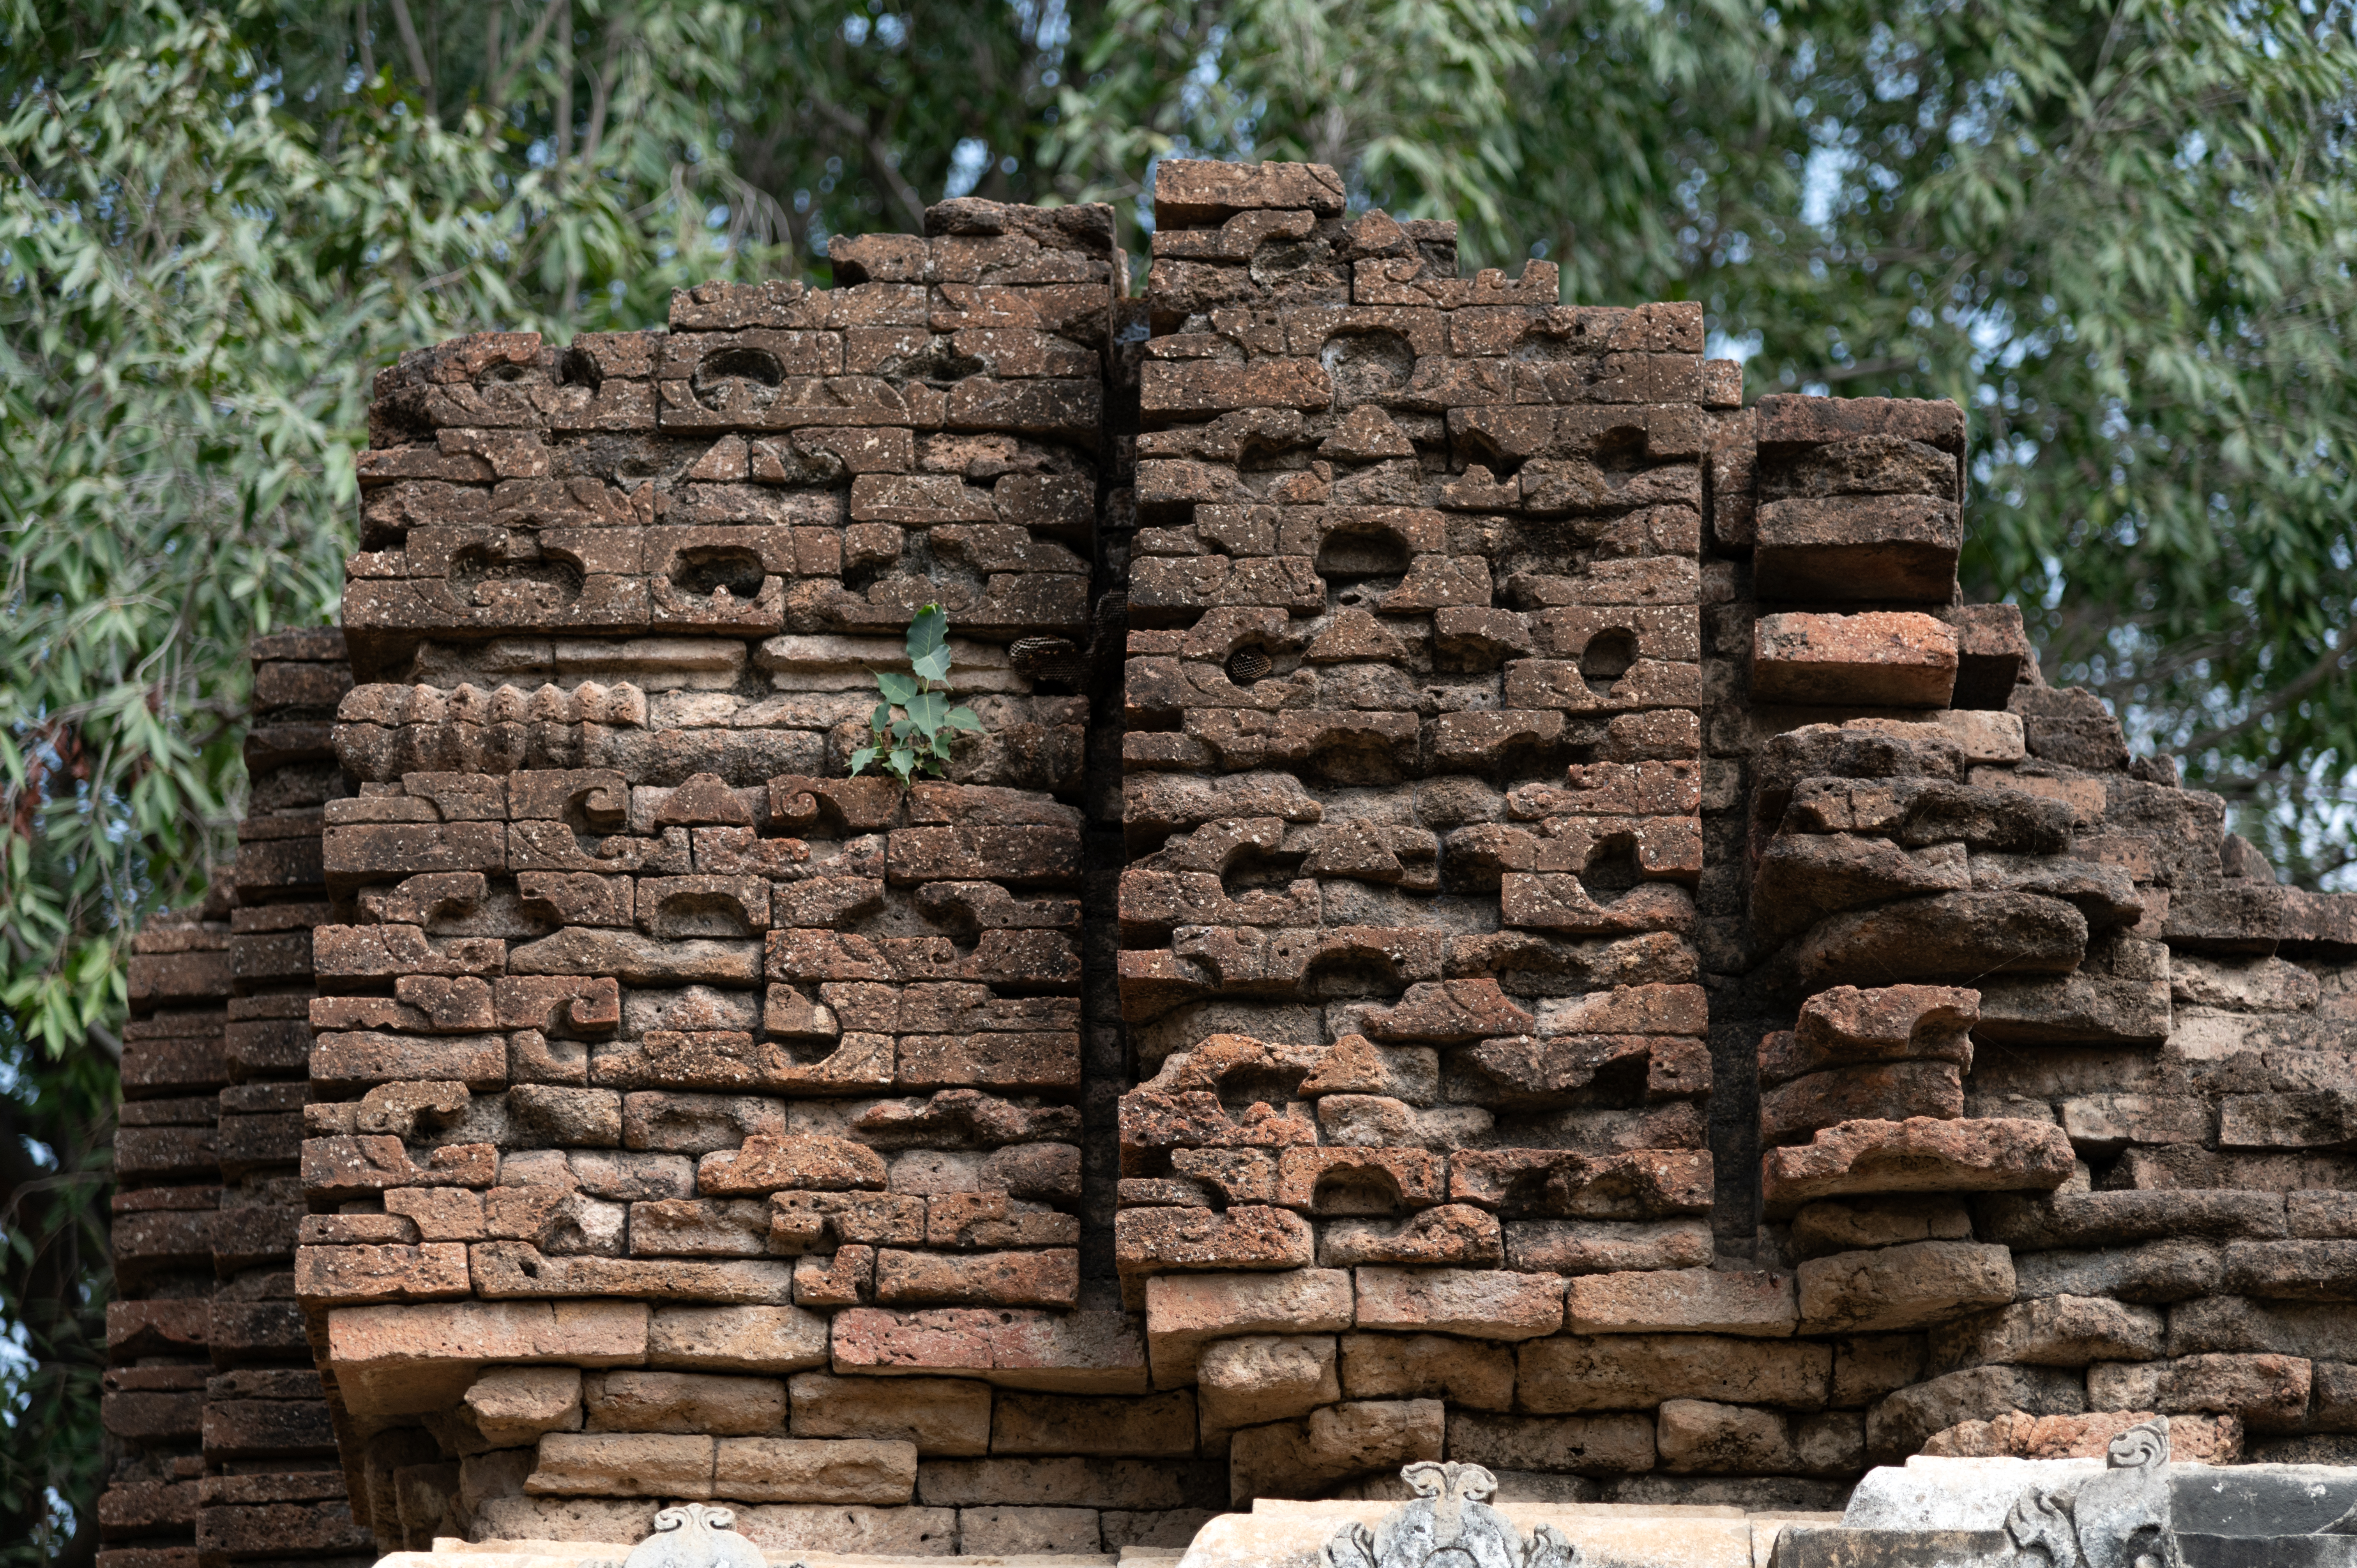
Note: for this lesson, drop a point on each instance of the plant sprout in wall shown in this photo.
(918, 741)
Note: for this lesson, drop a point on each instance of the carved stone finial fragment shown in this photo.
(694, 1536)
(2119, 1518)
(1447, 1517)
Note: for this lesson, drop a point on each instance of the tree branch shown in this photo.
(417, 57)
(2314, 676)
(1864, 367)
(522, 55)
(879, 155)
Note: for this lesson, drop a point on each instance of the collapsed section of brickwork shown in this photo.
(1503, 911)
(2049, 1096)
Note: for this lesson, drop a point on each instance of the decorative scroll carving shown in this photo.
(694, 1536)
(1448, 1518)
(2118, 1519)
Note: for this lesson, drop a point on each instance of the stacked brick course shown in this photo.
(1412, 778)
(2051, 1069)
(234, 1452)
(1505, 912)
(634, 996)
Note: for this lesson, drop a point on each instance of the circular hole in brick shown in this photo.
(1246, 665)
(1607, 658)
(1621, 449)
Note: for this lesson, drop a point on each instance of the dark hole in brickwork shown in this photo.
(1246, 665)
(712, 568)
(1240, 1091)
(1252, 869)
(1349, 557)
(1611, 868)
(1621, 449)
(1607, 658)
(937, 364)
(507, 370)
(699, 915)
(1356, 974)
(578, 368)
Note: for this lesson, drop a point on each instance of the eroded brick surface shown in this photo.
(1504, 912)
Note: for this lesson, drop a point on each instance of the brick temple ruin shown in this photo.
(1504, 910)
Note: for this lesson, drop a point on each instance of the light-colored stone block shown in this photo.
(771, 1339)
(1480, 1304)
(814, 1470)
(622, 1465)
(1749, 1302)
(1182, 1311)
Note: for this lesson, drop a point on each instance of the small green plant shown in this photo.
(918, 741)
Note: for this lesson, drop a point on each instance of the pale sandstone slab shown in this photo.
(511, 1406)
(1567, 1374)
(1751, 1302)
(410, 1360)
(807, 1528)
(770, 1339)
(1092, 1351)
(716, 1404)
(1264, 1377)
(814, 1470)
(622, 1465)
(1912, 1285)
(1919, 1154)
(1026, 1531)
(939, 1415)
(1475, 1373)
(1480, 1304)
(1184, 1311)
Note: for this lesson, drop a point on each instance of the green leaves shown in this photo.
(918, 743)
(929, 644)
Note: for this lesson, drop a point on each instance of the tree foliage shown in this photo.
(2118, 231)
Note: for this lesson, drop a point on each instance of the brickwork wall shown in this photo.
(1412, 776)
(231, 1451)
(636, 1000)
(2049, 1069)
(1506, 911)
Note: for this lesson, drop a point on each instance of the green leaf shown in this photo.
(928, 709)
(903, 761)
(862, 757)
(897, 689)
(962, 718)
(929, 653)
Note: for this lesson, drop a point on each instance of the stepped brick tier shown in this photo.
(1505, 913)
